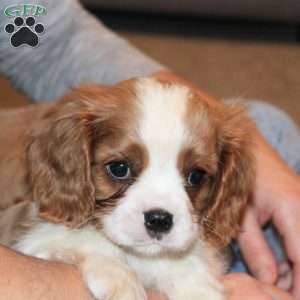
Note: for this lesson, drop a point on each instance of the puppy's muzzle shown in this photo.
(158, 222)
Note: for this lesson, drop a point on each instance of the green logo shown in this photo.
(24, 10)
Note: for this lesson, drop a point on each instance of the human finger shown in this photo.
(255, 249)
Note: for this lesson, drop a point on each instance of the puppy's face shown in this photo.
(148, 163)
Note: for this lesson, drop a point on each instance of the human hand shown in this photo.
(276, 198)
(152, 295)
(242, 286)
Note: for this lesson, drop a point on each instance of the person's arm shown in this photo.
(24, 277)
(74, 49)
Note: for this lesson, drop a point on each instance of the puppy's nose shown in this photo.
(158, 221)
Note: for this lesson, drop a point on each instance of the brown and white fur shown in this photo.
(56, 156)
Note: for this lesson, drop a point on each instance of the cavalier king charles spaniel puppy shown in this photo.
(140, 185)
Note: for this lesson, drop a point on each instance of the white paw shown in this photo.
(110, 280)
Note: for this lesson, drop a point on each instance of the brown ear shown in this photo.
(233, 183)
(58, 158)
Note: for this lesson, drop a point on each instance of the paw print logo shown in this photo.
(24, 32)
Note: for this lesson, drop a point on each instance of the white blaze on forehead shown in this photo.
(162, 124)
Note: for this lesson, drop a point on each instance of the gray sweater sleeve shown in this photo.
(75, 48)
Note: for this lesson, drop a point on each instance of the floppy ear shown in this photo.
(234, 181)
(58, 158)
(60, 152)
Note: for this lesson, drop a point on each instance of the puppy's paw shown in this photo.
(110, 280)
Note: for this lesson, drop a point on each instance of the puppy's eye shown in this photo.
(196, 177)
(119, 170)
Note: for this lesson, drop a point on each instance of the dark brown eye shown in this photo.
(196, 177)
(119, 170)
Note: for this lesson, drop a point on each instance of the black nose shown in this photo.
(158, 221)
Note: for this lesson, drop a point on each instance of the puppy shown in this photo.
(141, 185)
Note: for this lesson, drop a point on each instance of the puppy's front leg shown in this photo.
(106, 278)
(110, 279)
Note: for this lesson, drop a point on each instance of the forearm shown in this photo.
(28, 278)
(76, 48)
